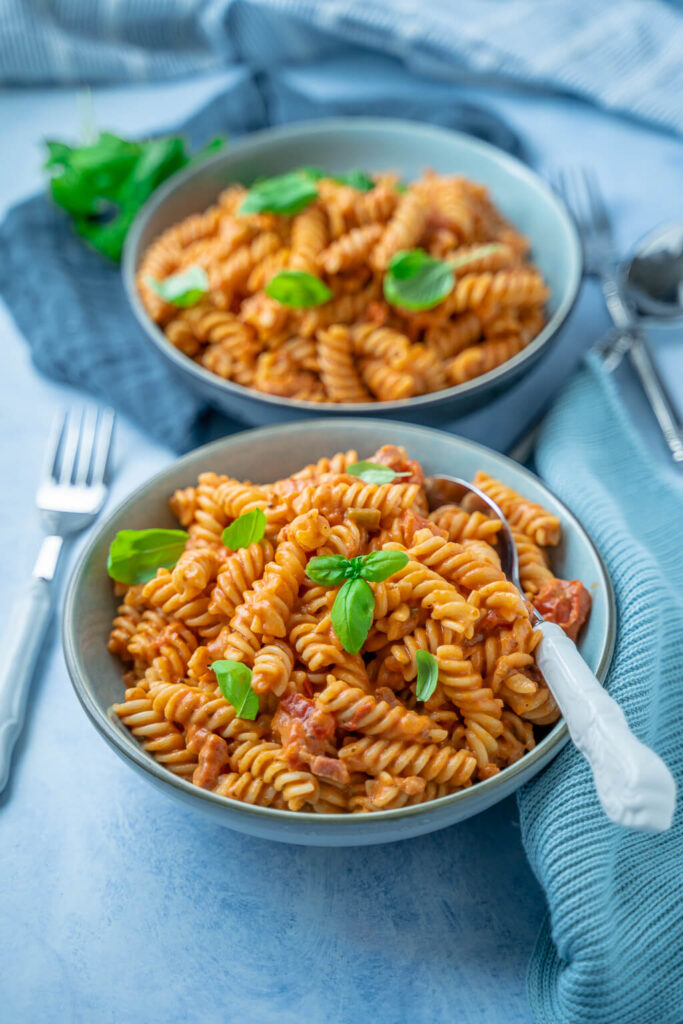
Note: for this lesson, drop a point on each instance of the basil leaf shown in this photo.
(297, 289)
(102, 185)
(245, 530)
(415, 280)
(135, 555)
(286, 194)
(374, 472)
(314, 172)
(214, 145)
(330, 570)
(476, 254)
(427, 674)
(380, 565)
(234, 680)
(183, 289)
(352, 614)
(356, 179)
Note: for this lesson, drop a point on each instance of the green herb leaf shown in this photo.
(401, 187)
(380, 565)
(285, 194)
(456, 262)
(245, 530)
(298, 289)
(212, 147)
(415, 280)
(183, 289)
(374, 472)
(352, 614)
(316, 173)
(356, 179)
(102, 185)
(234, 680)
(427, 674)
(329, 570)
(135, 555)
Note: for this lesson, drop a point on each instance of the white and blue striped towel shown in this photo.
(624, 55)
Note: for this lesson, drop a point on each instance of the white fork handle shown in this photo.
(633, 784)
(24, 639)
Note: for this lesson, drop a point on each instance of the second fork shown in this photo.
(71, 494)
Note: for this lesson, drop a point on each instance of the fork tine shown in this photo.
(596, 199)
(51, 463)
(70, 447)
(104, 433)
(86, 447)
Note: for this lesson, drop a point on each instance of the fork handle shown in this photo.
(633, 784)
(25, 632)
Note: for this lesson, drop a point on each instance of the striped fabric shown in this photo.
(611, 949)
(624, 55)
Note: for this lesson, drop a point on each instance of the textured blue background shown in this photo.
(116, 904)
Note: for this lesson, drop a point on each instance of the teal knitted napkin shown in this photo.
(611, 948)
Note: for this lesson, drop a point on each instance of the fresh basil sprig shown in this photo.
(183, 289)
(374, 472)
(427, 674)
(234, 680)
(102, 185)
(135, 555)
(245, 530)
(286, 194)
(355, 602)
(297, 289)
(415, 280)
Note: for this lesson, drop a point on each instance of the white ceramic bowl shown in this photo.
(265, 455)
(374, 144)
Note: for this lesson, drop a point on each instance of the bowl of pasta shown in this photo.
(318, 656)
(353, 267)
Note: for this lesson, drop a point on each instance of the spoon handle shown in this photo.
(633, 784)
(659, 400)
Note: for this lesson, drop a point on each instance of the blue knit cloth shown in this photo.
(611, 949)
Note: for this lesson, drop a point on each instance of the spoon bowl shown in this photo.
(653, 279)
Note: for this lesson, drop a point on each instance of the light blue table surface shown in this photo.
(116, 905)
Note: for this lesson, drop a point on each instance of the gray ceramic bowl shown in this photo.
(264, 455)
(375, 144)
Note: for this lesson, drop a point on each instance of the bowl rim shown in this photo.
(258, 140)
(127, 748)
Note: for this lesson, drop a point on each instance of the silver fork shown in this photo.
(581, 191)
(70, 495)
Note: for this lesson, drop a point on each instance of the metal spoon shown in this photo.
(650, 284)
(653, 280)
(633, 784)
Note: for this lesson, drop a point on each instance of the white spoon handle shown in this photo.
(633, 784)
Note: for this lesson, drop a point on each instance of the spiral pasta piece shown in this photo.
(527, 516)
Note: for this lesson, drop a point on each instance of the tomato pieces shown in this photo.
(566, 602)
(305, 732)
